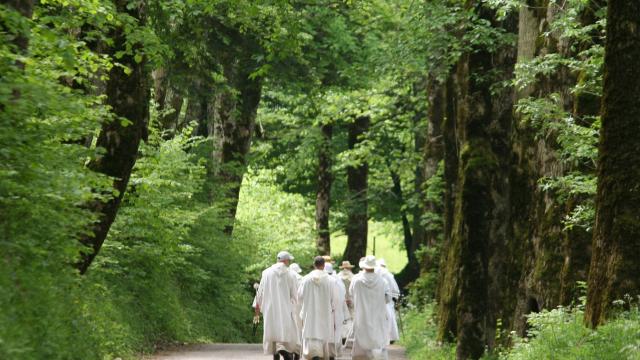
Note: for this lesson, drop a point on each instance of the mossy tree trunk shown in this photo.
(358, 216)
(128, 95)
(557, 257)
(447, 289)
(323, 194)
(616, 241)
(477, 275)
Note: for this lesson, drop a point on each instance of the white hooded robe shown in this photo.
(346, 276)
(394, 291)
(339, 313)
(318, 296)
(277, 297)
(370, 294)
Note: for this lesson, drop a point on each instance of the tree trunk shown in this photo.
(429, 142)
(447, 289)
(406, 225)
(357, 222)
(168, 101)
(434, 151)
(234, 122)
(323, 241)
(477, 279)
(616, 241)
(556, 257)
(128, 96)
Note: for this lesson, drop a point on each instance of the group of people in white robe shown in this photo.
(317, 316)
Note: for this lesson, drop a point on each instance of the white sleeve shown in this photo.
(293, 288)
(387, 293)
(260, 293)
(394, 288)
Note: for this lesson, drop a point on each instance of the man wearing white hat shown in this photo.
(317, 293)
(370, 295)
(394, 291)
(276, 299)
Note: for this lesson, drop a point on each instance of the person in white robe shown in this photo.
(295, 268)
(394, 291)
(276, 300)
(346, 275)
(339, 310)
(318, 296)
(370, 297)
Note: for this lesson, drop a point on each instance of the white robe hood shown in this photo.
(370, 294)
(317, 294)
(277, 297)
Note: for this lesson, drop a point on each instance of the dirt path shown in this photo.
(240, 352)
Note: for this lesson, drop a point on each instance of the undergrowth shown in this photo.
(558, 334)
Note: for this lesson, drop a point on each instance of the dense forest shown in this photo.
(155, 155)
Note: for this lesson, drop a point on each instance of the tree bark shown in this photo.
(234, 118)
(323, 195)
(447, 289)
(433, 154)
(556, 257)
(428, 141)
(616, 241)
(128, 96)
(406, 225)
(357, 222)
(169, 103)
(477, 279)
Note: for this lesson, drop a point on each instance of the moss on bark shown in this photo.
(616, 243)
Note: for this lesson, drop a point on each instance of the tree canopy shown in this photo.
(155, 155)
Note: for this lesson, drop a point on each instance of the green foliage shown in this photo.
(269, 220)
(420, 330)
(576, 134)
(167, 260)
(553, 334)
(561, 334)
(43, 183)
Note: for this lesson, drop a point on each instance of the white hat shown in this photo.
(328, 268)
(295, 267)
(368, 262)
(284, 255)
(381, 262)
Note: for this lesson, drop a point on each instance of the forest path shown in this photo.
(240, 351)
